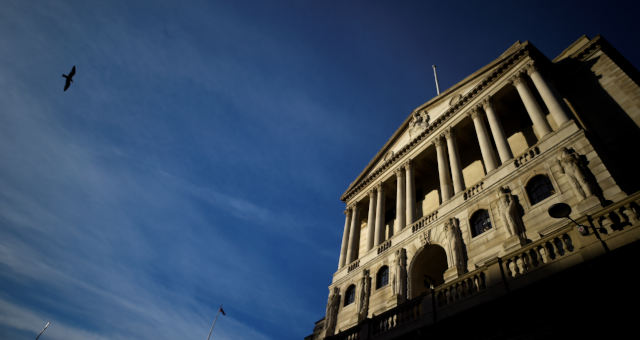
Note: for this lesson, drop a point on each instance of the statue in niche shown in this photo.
(332, 311)
(575, 168)
(511, 214)
(454, 237)
(419, 122)
(365, 283)
(400, 275)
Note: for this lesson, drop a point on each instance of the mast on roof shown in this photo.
(435, 75)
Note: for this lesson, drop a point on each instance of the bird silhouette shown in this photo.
(69, 78)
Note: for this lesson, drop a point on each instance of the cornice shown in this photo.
(492, 78)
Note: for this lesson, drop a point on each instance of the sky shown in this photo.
(200, 153)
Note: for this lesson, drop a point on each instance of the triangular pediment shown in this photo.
(420, 118)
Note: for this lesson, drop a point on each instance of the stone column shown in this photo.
(486, 149)
(354, 235)
(345, 238)
(540, 123)
(454, 161)
(379, 233)
(410, 202)
(371, 219)
(549, 99)
(400, 204)
(443, 170)
(504, 151)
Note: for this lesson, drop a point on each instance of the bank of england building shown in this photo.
(505, 207)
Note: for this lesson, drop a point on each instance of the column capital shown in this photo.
(517, 79)
(531, 67)
(487, 104)
(372, 191)
(438, 141)
(379, 187)
(399, 171)
(408, 164)
(474, 112)
(448, 132)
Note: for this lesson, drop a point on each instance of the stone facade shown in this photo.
(471, 175)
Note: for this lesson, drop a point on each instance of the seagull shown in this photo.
(69, 78)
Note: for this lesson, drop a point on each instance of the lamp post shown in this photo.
(563, 210)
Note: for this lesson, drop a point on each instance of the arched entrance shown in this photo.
(427, 268)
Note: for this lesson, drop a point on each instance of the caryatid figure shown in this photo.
(510, 214)
(454, 237)
(400, 274)
(365, 284)
(574, 168)
(332, 311)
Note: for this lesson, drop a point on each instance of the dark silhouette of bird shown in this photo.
(69, 78)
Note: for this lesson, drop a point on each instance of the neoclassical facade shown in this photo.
(454, 211)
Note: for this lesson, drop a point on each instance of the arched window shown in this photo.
(539, 188)
(350, 295)
(382, 278)
(480, 222)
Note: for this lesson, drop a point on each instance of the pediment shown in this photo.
(420, 119)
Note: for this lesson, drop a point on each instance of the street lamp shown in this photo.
(563, 210)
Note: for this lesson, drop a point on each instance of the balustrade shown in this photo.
(403, 314)
(386, 245)
(473, 190)
(424, 221)
(355, 264)
(616, 219)
(526, 156)
(537, 254)
(461, 288)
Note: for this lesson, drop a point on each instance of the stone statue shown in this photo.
(419, 122)
(511, 214)
(332, 311)
(365, 283)
(572, 166)
(400, 275)
(454, 237)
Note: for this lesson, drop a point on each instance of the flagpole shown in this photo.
(44, 329)
(214, 322)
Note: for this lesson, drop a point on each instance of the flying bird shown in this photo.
(69, 78)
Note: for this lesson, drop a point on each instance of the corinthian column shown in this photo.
(496, 130)
(483, 139)
(345, 238)
(443, 170)
(354, 236)
(540, 123)
(371, 219)
(411, 193)
(549, 99)
(400, 206)
(454, 160)
(379, 233)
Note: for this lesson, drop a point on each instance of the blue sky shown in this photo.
(199, 156)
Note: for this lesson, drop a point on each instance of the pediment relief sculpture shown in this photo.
(419, 123)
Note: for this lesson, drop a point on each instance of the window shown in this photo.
(480, 222)
(350, 295)
(539, 188)
(382, 278)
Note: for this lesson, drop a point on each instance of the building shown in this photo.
(448, 230)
